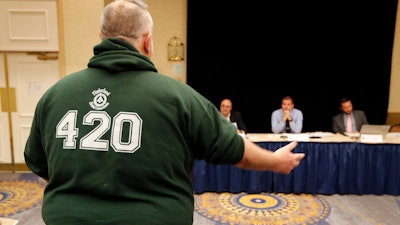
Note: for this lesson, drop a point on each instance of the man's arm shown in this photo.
(363, 117)
(296, 125)
(277, 125)
(335, 126)
(282, 160)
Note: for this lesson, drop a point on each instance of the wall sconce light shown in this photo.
(176, 49)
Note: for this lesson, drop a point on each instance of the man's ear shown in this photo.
(148, 44)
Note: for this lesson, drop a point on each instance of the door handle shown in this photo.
(45, 55)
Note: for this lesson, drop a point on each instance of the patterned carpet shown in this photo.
(23, 191)
(263, 208)
(21, 199)
(19, 193)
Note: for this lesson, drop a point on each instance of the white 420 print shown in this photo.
(68, 130)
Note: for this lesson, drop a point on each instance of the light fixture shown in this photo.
(176, 49)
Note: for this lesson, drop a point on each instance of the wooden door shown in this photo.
(29, 66)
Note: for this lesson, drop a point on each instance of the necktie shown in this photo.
(348, 124)
(287, 128)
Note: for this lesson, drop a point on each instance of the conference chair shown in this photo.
(395, 128)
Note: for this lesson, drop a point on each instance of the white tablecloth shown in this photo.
(390, 138)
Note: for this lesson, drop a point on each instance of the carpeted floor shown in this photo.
(19, 193)
(263, 208)
(21, 197)
(293, 209)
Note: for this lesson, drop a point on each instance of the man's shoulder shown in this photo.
(236, 113)
(337, 115)
(359, 112)
(297, 110)
(276, 113)
(277, 110)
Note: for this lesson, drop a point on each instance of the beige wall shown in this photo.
(80, 21)
(170, 19)
(394, 99)
(81, 26)
(81, 29)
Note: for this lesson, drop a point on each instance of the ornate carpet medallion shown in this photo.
(263, 208)
(20, 194)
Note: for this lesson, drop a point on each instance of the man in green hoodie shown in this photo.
(116, 141)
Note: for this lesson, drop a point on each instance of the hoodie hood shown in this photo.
(116, 55)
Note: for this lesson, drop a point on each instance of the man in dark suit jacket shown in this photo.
(356, 118)
(231, 115)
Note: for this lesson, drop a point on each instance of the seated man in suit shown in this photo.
(233, 116)
(349, 120)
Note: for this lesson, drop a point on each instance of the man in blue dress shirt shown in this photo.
(287, 119)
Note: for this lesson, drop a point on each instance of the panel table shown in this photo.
(333, 164)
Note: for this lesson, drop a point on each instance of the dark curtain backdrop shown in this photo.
(315, 51)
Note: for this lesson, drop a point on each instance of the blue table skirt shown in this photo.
(328, 168)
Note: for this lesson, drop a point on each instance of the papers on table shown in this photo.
(260, 137)
(393, 134)
(298, 137)
(320, 134)
(352, 135)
